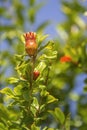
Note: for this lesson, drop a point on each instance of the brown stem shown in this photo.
(47, 76)
(32, 69)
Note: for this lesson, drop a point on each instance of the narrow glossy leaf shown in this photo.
(50, 99)
(42, 107)
(35, 103)
(26, 95)
(7, 91)
(45, 128)
(59, 115)
(32, 15)
(18, 90)
(41, 67)
(44, 93)
(48, 45)
(22, 39)
(34, 106)
(13, 80)
(52, 56)
(19, 57)
(34, 127)
(41, 38)
(42, 87)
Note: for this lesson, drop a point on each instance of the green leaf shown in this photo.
(48, 46)
(4, 113)
(7, 91)
(50, 99)
(19, 57)
(35, 103)
(34, 127)
(34, 106)
(13, 80)
(41, 67)
(50, 129)
(85, 89)
(67, 122)
(32, 15)
(53, 55)
(22, 39)
(26, 95)
(44, 93)
(59, 115)
(3, 127)
(18, 89)
(41, 38)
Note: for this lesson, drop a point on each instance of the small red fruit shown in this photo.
(65, 59)
(30, 43)
(36, 74)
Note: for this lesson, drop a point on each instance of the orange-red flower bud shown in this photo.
(36, 74)
(65, 59)
(30, 43)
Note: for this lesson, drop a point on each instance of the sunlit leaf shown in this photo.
(7, 91)
(18, 89)
(59, 115)
(13, 80)
(34, 106)
(41, 38)
(19, 57)
(50, 99)
(34, 127)
(48, 45)
(41, 66)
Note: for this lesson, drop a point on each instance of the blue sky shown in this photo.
(51, 11)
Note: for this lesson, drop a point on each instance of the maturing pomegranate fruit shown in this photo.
(36, 74)
(30, 43)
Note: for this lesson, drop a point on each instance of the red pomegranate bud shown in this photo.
(65, 59)
(30, 43)
(36, 74)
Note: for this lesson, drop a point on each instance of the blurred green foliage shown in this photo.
(16, 18)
